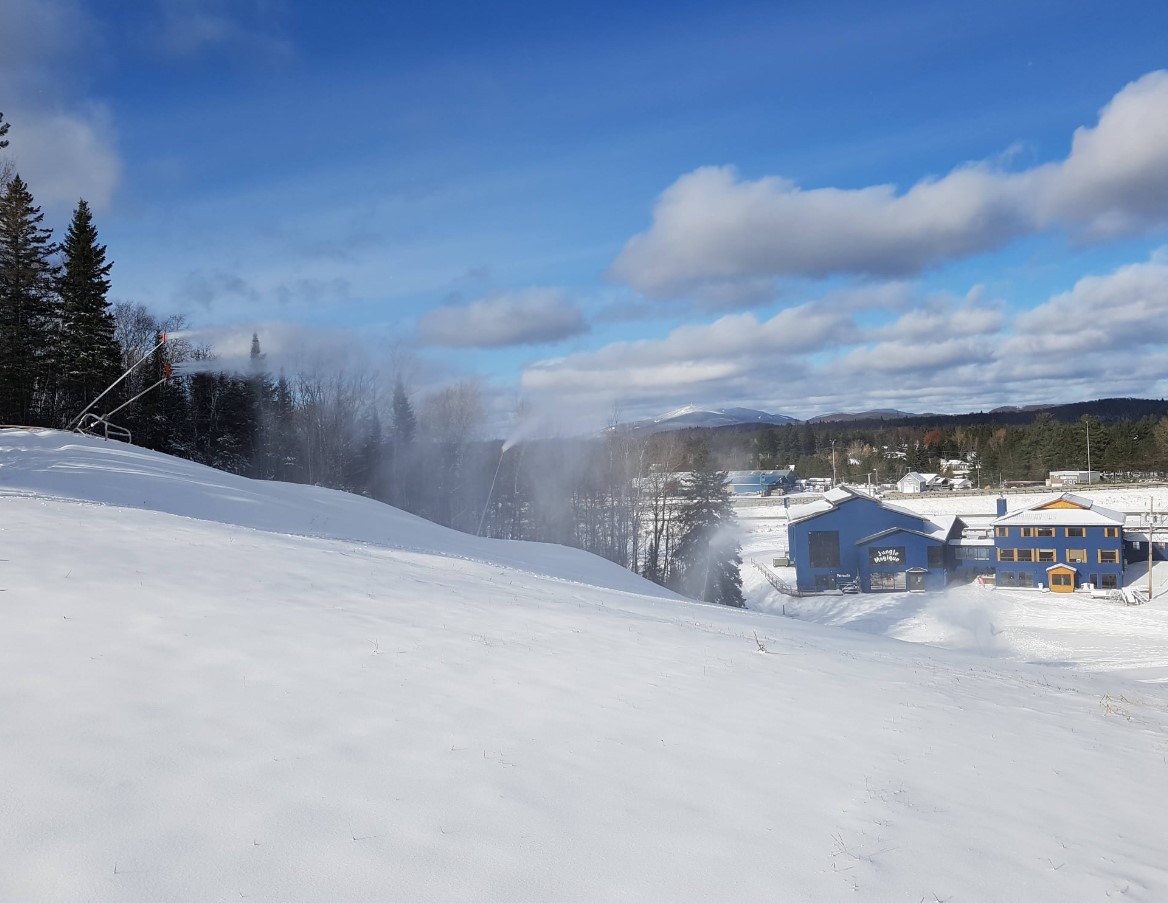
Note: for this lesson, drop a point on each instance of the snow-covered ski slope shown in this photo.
(213, 689)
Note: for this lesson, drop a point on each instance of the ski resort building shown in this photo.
(849, 539)
(1060, 544)
(852, 540)
(761, 482)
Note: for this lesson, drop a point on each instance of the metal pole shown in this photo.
(76, 420)
(1151, 519)
(136, 397)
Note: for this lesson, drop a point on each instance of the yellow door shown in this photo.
(1062, 580)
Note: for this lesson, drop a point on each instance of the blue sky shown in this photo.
(801, 207)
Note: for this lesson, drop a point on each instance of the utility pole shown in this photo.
(1151, 526)
(1087, 421)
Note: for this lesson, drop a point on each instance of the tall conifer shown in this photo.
(90, 358)
(28, 309)
(706, 560)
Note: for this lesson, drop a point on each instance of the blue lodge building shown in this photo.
(1062, 544)
(851, 538)
(848, 538)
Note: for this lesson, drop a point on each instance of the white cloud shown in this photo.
(527, 317)
(65, 149)
(936, 354)
(1109, 314)
(65, 156)
(714, 233)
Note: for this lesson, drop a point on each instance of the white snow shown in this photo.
(215, 689)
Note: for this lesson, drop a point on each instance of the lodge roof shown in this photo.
(833, 498)
(1068, 510)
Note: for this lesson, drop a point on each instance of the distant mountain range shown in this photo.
(878, 414)
(694, 417)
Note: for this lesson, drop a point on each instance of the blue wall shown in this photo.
(854, 519)
(915, 556)
(1032, 573)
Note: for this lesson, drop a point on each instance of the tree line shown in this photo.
(1119, 446)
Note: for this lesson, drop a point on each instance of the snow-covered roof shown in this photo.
(936, 535)
(1056, 513)
(833, 498)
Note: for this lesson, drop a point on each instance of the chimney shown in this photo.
(1001, 500)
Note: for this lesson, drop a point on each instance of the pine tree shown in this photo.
(285, 450)
(405, 424)
(401, 450)
(264, 464)
(5, 165)
(28, 309)
(706, 562)
(90, 355)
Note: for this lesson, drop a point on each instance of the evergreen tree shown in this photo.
(405, 424)
(285, 451)
(264, 464)
(160, 419)
(28, 309)
(5, 165)
(705, 560)
(90, 357)
(401, 450)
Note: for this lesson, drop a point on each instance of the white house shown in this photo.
(914, 482)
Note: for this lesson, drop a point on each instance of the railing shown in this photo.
(774, 580)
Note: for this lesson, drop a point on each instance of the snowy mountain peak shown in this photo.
(692, 416)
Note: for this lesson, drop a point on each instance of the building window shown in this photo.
(1108, 581)
(1061, 580)
(1044, 531)
(1007, 578)
(1027, 532)
(1077, 531)
(824, 548)
(1076, 556)
(1024, 554)
(1046, 555)
(1005, 554)
(824, 582)
(1001, 531)
(972, 553)
(1111, 532)
(936, 556)
(1026, 580)
(1108, 556)
(884, 582)
(1094, 579)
